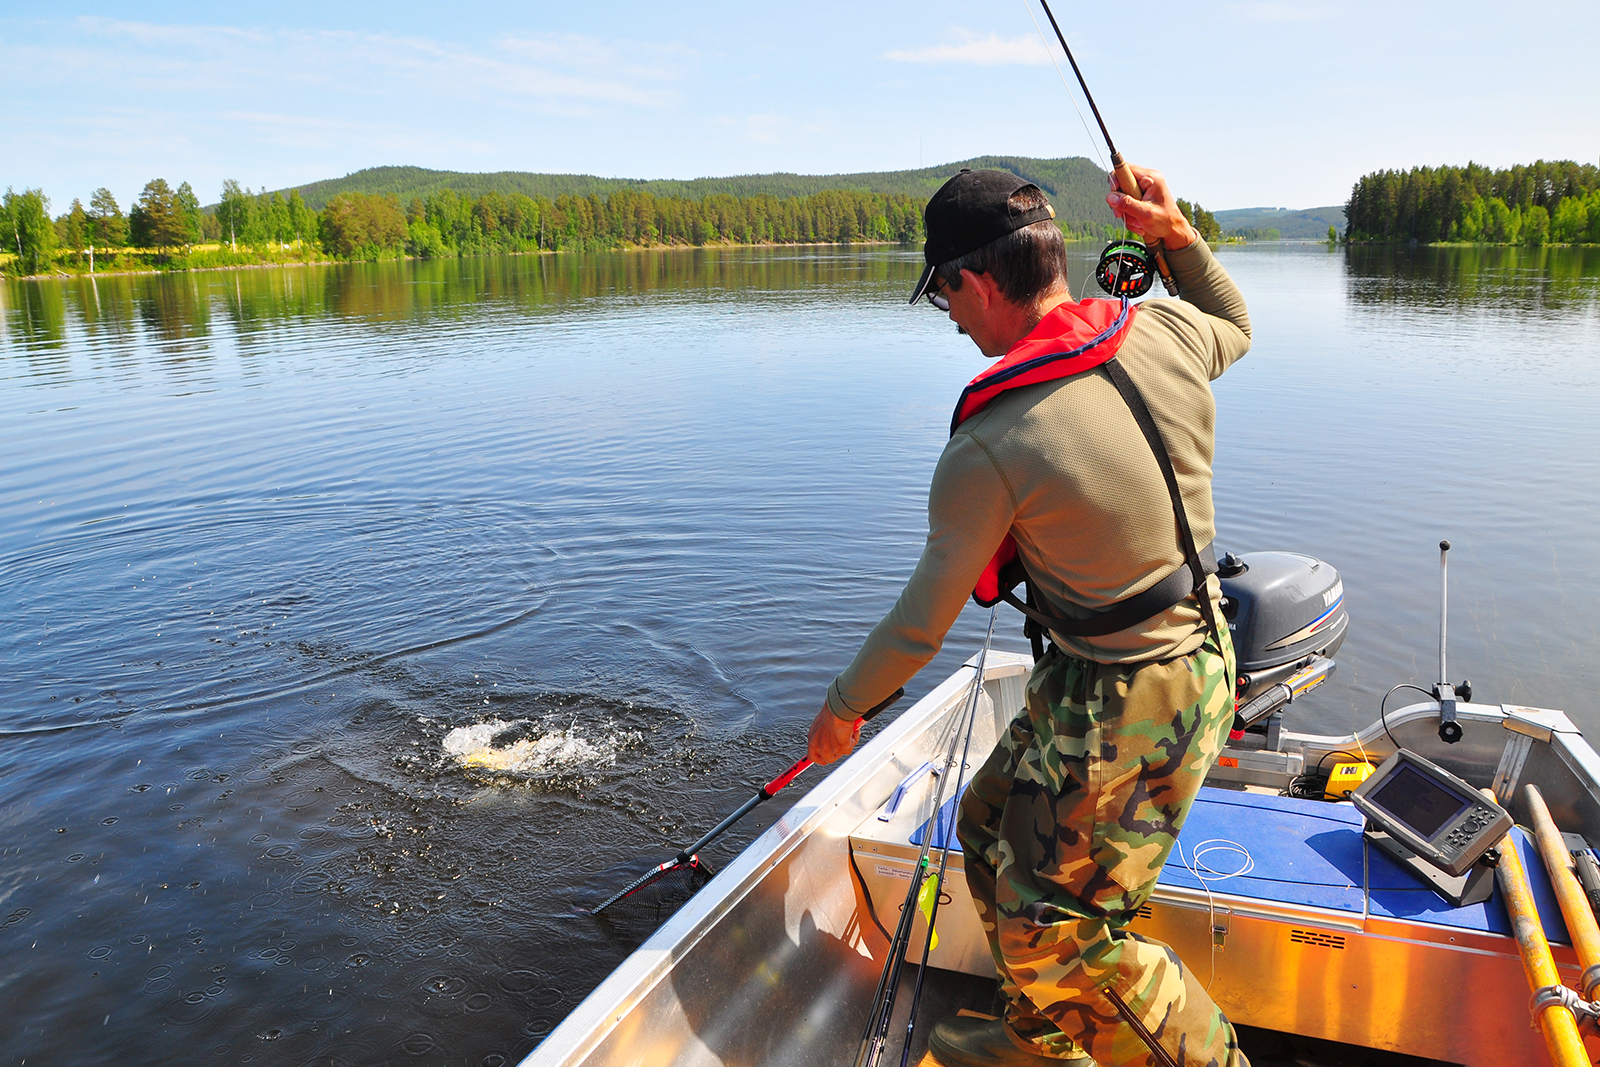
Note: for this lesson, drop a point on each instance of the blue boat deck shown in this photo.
(1309, 853)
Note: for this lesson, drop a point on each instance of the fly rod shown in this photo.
(1119, 166)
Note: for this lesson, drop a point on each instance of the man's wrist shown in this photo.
(1181, 236)
(835, 703)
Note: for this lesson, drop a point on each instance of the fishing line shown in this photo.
(1127, 267)
(1068, 85)
(876, 1033)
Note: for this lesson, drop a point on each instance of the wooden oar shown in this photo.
(1575, 909)
(1555, 1020)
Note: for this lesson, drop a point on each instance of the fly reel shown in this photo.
(1126, 268)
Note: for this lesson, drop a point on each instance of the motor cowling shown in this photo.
(1281, 608)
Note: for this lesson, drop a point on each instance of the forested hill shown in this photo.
(1308, 224)
(1075, 185)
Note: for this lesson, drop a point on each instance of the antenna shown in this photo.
(1444, 603)
(1444, 692)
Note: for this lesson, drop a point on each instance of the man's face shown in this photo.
(970, 310)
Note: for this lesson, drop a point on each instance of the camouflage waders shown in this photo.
(1065, 830)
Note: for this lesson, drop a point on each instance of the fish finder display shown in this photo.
(1418, 801)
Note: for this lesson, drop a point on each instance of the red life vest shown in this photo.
(1069, 340)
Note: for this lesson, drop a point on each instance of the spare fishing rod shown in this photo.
(1125, 266)
(688, 861)
(876, 1033)
(931, 910)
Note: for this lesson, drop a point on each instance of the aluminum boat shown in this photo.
(1320, 946)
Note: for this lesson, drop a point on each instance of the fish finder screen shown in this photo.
(1418, 801)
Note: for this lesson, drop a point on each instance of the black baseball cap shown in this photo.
(968, 212)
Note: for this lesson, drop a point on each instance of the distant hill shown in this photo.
(1075, 185)
(1310, 223)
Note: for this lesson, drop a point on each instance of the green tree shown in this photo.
(233, 213)
(363, 226)
(424, 241)
(1500, 226)
(193, 218)
(156, 221)
(29, 231)
(72, 229)
(275, 211)
(108, 228)
(1570, 221)
(1333, 235)
(1536, 226)
(1204, 222)
(302, 220)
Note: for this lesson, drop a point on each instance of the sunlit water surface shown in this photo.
(359, 621)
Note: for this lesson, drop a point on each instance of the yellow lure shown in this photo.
(925, 899)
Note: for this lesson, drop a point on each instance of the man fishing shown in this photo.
(1051, 464)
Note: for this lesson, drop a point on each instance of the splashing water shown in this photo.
(475, 746)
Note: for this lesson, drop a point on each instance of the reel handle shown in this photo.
(1130, 187)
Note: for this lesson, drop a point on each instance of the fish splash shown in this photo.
(544, 751)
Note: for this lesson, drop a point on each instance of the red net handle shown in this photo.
(775, 786)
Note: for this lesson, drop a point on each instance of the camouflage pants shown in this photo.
(1065, 830)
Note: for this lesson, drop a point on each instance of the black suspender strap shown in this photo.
(1187, 579)
(1152, 433)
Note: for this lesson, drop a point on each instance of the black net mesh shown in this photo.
(660, 888)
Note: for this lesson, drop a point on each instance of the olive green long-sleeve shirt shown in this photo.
(1063, 468)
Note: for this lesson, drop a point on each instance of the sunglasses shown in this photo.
(937, 298)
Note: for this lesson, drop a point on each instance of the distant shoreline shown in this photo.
(329, 261)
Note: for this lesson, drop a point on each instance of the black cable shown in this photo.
(1385, 700)
(1313, 785)
(872, 909)
(1336, 752)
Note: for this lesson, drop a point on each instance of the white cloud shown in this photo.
(990, 51)
(561, 71)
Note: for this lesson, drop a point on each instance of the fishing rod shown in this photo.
(688, 860)
(932, 899)
(1124, 268)
(875, 1036)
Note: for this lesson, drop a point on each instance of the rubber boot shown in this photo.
(968, 1041)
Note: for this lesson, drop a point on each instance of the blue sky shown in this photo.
(1257, 103)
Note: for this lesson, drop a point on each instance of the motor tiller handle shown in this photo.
(772, 788)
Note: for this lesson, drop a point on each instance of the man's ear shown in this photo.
(984, 288)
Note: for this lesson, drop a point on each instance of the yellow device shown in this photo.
(1344, 778)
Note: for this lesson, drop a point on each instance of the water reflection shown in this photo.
(1520, 279)
(44, 314)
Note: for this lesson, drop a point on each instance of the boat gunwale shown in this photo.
(588, 1025)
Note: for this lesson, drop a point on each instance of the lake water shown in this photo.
(282, 550)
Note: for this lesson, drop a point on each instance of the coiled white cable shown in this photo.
(1215, 844)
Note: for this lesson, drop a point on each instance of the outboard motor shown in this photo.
(1285, 612)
